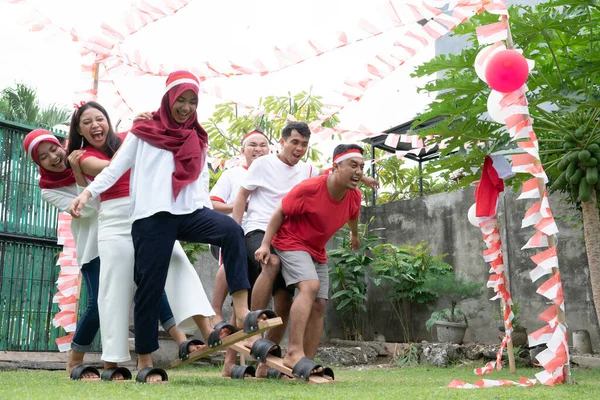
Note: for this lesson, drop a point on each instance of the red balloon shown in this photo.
(506, 71)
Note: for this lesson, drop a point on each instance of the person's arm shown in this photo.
(264, 251)
(220, 192)
(92, 166)
(354, 239)
(121, 163)
(76, 168)
(221, 207)
(61, 200)
(240, 204)
(366, 180)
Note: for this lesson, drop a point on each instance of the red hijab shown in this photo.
(48, 179)
(188, 141)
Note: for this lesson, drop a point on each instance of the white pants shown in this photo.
(116, 287)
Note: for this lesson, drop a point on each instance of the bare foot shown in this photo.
(215, 319)
(75, 359)
(261, 371)
(195, 347)
(227, 367)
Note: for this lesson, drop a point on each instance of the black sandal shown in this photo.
(251, 320)
(108, 374)
(240, 371)
(214, 338)
(263, 348)
(78, 371)
(184, 353)
(305, 367)
(144, 372)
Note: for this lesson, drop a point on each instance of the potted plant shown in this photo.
(519, 333)
(451, 323)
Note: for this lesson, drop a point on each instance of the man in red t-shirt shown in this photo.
(308, 216)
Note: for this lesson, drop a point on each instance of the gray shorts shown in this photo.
(298, 266)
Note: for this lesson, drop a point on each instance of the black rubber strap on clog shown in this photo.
(240, 371)
(79, 370)
(214, 339)
(263, 348)
(184, 353)
(272, 373)
(142, 375)
(305, 367)
(251, 320)
(109, 373)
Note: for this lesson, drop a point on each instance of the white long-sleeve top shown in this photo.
(85, 228)
(151, 188)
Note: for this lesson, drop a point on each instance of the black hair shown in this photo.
(301, 127)
(112, 143)
(342, 148)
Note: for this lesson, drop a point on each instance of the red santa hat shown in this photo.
(34, 138)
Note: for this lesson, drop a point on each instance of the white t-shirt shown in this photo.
(228, 186)
(270, 179)
(85, 228)
(151, 188)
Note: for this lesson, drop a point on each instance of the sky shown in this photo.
(218, 31)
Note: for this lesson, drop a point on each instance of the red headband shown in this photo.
(245, 138)
(346, 155)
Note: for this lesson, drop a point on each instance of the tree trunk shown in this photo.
(591, 230)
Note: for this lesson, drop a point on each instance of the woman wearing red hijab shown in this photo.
(170, 201)
(59, 185)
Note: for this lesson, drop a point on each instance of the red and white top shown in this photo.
(120, 188)
(270, 179)
(312, 217)
(228, 186)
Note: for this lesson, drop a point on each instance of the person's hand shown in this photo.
(354, 242)
(74, 160)
(371, 182)
(78, 203)
(263, 254)
(143, 116)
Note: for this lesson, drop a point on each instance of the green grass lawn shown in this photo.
(381, 383)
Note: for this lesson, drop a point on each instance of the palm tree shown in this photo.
(21, 104)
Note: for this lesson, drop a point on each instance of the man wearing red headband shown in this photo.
(308, 216)
(269, 179)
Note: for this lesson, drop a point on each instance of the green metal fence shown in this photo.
(28, 250)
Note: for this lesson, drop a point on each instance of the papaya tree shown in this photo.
(561, 36)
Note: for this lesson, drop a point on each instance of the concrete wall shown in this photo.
(441, 220)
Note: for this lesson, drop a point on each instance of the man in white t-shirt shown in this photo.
(268, 180)
(255, 144)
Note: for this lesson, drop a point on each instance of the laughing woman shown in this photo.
(91, 131)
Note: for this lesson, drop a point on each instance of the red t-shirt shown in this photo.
(121, 187)
(312, 217)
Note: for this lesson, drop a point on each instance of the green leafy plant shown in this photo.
(402, 271)
(407, 356)
(193, 250)
(453, 289)
(561, 37)
(348, 277)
